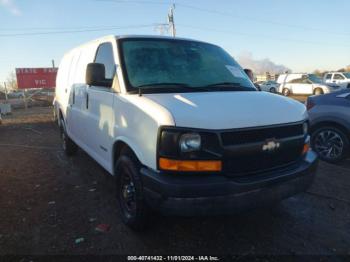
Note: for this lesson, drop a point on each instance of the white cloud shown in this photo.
(11, 6)
(260, 66)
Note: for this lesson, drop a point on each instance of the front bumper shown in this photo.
(217, 194)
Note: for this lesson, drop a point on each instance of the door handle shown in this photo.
(87, 100)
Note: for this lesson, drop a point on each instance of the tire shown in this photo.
(68, 146)
(330, 143)
(348, 86)
(285, 92)
(134, 211)
(318, 91)
(54, 115)
(273, 90)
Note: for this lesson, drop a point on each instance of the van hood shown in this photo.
(226, 110)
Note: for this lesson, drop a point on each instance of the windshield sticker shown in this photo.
(235, 71)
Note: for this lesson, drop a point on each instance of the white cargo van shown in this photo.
(181, 127)
(303, 84)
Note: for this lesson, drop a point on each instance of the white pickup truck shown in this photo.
(181, 127)
(341, 79)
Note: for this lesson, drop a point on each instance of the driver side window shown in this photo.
(105, 56)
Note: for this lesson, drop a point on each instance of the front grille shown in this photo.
(248, 157)
(260, 162)
(256, 135)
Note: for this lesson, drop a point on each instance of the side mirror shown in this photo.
(95, 75)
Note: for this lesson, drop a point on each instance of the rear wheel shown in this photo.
(286, 92)
(273, 90)
(68, 146)
(330, 143)
(318, 91)
(134, 211)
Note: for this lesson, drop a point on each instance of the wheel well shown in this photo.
(330, 123)
(60, 114)
(59, 117)
(118, 147)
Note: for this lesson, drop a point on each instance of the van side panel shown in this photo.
(61, 98)
(137, 122)
(76, 115)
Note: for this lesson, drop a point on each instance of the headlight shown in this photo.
(305, 128)
(183, 149)
(190, 142)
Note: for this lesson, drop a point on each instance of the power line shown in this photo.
(135, 2)
(200, 9)
(229, 14)
(56, 28)
(266, 37)
(76, 31)
(254, 19)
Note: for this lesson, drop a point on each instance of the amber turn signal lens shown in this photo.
(189, 165)
(306, 148)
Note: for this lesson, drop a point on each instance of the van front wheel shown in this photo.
(134, 211)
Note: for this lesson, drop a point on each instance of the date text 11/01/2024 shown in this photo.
(173, 258)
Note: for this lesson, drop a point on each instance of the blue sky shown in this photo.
(302, 35)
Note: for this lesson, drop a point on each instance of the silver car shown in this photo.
(330, 125)
(269, 86)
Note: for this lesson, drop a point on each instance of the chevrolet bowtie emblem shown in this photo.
(270, 145)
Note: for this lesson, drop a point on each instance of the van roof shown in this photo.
(155, 37)
(109, 37)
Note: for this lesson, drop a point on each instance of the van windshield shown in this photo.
(167, 65)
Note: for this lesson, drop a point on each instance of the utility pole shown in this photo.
(5, 91)
(53, 63)
(171, 20)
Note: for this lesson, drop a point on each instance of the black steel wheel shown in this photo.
(273, 90)
(330, 143)
(133, 208)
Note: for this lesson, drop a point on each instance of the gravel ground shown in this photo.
(48, 201)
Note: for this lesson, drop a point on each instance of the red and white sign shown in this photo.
(36, 77)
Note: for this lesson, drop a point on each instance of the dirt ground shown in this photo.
(48, 201)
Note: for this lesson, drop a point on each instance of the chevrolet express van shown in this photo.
(181, 127)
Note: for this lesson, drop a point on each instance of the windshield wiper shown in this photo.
(225, 84)
(162, 84)
(182, 85)
(229, 84)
